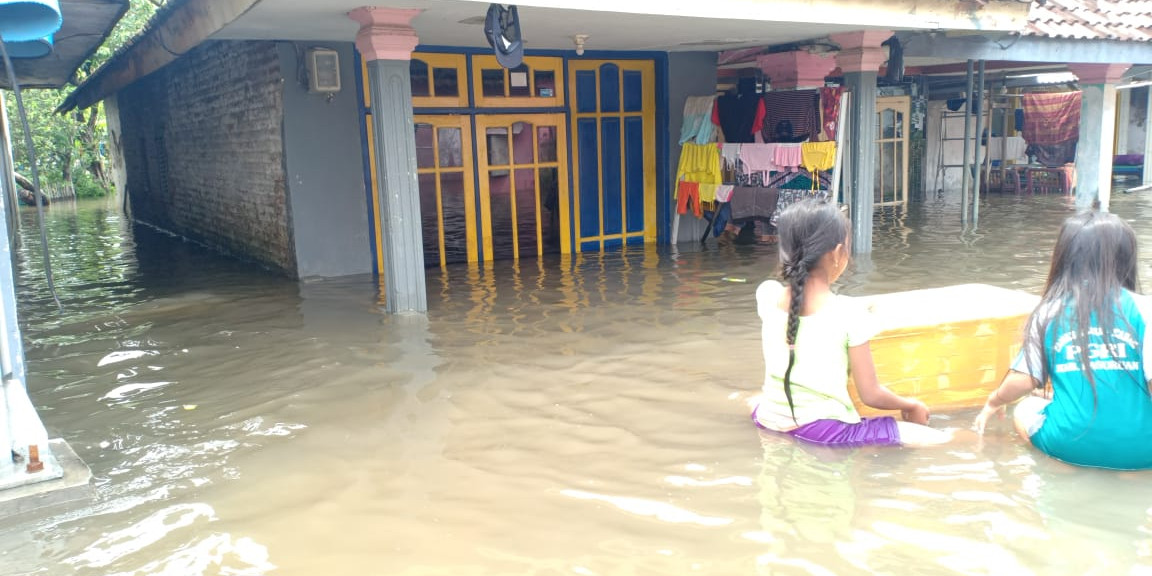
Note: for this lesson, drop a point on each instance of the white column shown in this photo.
(860, 57)
(1148, 140)
(1123, 119)
(1095, 149)
(386, 40)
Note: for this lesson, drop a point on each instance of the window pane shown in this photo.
(425, 148)
(550, 204)
(526, 212)
(546, 140)
(445, 81)
(545, 83)
(493, 82)
(419, 72)
(451, 149)
(429, 220)
(500, 204)
(497, 146)
(455, 216)
(518, 82)
(522, 152)
(888, 123)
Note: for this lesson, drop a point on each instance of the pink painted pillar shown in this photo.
(860, 57)
(1096, 146)
(386, 41)
(800, 69)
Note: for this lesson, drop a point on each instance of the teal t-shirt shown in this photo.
(1111, 427)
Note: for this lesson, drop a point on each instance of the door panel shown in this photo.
(891, 180)
(447, 194)
(613, 116)
(523, 184)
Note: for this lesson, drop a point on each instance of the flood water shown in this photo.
(579, 416)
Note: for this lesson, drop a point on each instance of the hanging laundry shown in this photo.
(790, 197)
(720, 222)
(788, 156)
(698, 126)
(688, 194)
(736, 113)
(799, 181)
(830, 111)
(700, 163)
(818, 157)
(1054, 155)
(754, 203)
(700, 166)
(759, 158)
(790, 116)
(1051, 118)
(731, 155)
(708, 192)
(724, 192)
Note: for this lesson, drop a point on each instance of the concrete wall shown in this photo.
(1137, 129)
(116, 167)
(689, 74)
(325, 168)
(204, 153)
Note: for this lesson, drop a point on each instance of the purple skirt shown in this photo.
(880, 431)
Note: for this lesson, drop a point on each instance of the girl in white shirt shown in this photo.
(813, 339)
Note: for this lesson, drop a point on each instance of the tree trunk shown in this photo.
(26, 191)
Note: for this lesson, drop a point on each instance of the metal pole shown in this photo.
(980, 112)
(837, 171)
(1004, 137)
(1148, 141)
(965, 174)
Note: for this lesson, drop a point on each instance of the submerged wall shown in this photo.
(325, 165)
(689, 74)
(204, 155)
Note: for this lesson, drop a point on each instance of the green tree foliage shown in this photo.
(72, 148)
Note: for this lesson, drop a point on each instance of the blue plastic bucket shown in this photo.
(34, 49)
(29, 20)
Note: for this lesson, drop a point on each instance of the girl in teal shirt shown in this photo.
(1088, 340)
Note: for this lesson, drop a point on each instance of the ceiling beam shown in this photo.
(180, 27)
(1015, 48)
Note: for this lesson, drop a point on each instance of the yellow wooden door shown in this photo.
(523, 168)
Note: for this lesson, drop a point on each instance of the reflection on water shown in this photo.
(576, 415)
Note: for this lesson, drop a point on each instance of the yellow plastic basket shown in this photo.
(949, 347)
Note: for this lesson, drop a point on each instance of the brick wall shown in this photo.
(204, 151)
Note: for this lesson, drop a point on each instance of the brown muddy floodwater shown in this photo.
(578, 416)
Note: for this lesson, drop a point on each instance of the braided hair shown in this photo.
(808, 230)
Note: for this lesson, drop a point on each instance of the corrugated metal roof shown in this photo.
(1127, 20)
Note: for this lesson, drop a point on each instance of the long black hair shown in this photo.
(808, 230)
(1093, 262)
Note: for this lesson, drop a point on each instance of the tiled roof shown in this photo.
(1128, 20)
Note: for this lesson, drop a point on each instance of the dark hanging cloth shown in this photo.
(1053, 155)
(791, 116)
(749, 203)
(737, 114)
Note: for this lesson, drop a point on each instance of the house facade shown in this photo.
(422, 150)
